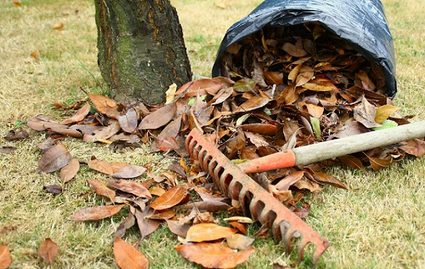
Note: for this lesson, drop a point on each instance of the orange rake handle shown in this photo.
(335, 148)
(274, 161)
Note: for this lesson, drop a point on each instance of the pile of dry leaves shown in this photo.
(285, 88)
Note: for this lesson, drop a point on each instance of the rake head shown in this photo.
(256, 202)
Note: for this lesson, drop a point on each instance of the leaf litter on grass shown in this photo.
(284, 88)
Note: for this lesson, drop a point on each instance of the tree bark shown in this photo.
(141, 48)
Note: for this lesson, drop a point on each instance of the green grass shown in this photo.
(379, 223)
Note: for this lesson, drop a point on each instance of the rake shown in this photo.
(258, 203)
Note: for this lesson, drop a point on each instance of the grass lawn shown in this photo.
(379, 223)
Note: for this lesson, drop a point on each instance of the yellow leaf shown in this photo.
(384, 112)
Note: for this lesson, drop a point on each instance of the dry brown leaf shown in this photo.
(117, 169)
(54, 159)
(213, 255)
(351, 162)
(128, 257)
(414, 147)
(378, 163)
(59, 26)
(170, 198)
(208, 232)
(366, 82)
(130, 187)
(320, 85)
(260, 128)
(257, 140)
(315, 111)
(384, 112)
(126, 224)
(222, 96)
(16, 135)
(239, 241)
(48, 251)
(104, 133)
(324, 178)
(5, 257)
(294, 50)
(69, 171)
(145, 224)
(100, 188)
(167, 138)
(158, 191)
(35, 54)
(16, 3)
(178, 228)
(254, 103)
(365, 113)
(294, 73)
(105, 105)
(158, 118)
(7, 150)
(96, 213)
(79, 115)
(289, 180)
(204, 86)
(129, 121)
(239, 226)
(305, 184)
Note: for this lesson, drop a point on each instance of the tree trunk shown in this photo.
(141, 48)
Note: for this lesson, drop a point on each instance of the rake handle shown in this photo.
(335, 148)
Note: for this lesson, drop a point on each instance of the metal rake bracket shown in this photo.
(256, 202)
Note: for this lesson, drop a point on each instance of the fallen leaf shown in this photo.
(79, 115)
(351, 162)
(35, 54)
(100, 188)
(42, 123)
(69, 171)
(170, 198)
(117, 169)
(315, 124)
(177, 227)
(315, 111)
(158, 118)
(54, 159)
(213, 255)
(320, 85)
(384, 112)
(59, 26)
(260, 128)
(324, 178)
(208, 232)
(288, 181)
(169, 133)
(352, 128)
(145, 224)
(239, 226)
(158, 191)
(239, 241)
(128, 257)
(387, 124)
(16, 3)
(103, 133)
(204, 86)
(294, 50)
(414, 147)
(129, 171)
(257, 140)
(366, 82)
(239, 219)
(126, 224)
(378, 163)
(7, 150)
(53, 189)
(365, 113)
(130, 187)
(128, 122)
(170, 94)
(105, 105)
(96, 213)
(222, 96)
(209, 205)
(294, 72)
(254, 103)
(305, 184)
(48, 251)
(5, 257)
(15, 135)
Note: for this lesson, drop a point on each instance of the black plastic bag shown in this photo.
(362, 23)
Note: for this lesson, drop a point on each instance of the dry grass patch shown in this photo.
(379, 223)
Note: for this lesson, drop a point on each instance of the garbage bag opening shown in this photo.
(360, 25)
